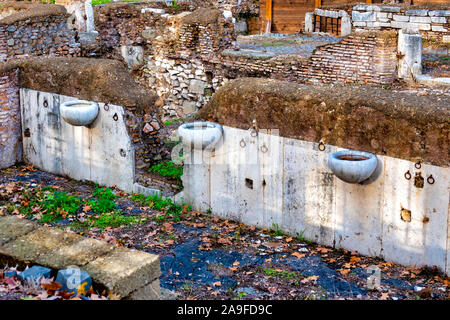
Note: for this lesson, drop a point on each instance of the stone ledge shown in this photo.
(127, 273)
(124, 270)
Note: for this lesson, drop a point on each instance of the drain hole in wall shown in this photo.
(249, 183)
(405, 215)
(264, 183)
(26, 132)
(123, 153)
(418, 180)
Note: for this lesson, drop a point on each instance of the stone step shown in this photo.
(126, 273)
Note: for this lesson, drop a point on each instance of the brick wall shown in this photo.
(10, 123)
(366, 58)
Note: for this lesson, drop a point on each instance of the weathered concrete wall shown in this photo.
(10, 124)
(271, 181)
(397, 124)
(102, 153)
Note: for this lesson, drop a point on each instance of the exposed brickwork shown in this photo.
(10, 123)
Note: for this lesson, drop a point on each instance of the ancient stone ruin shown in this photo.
(252, 101)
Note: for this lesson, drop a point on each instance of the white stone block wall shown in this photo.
(270, 181)
(379, 16)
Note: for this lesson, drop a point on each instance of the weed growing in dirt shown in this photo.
(113, 219)
(46, 205)
(103, 201)
(170, 210)
(279, 273)
(168, 169)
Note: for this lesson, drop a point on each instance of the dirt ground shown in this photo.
(204, 257)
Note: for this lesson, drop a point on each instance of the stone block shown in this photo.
(124, 270)
(37, 243)
(420, 19)
(13, 227)
(400, 18)
(438, 29)
(34, 274)
(151, 291)
(197, 86)
(363, 16)
(327, 13)
(189, 107)
(359, 24)
(442, 13)
(390, 9)
(240, 26)
(408, 25)
(410, 46)
(417, 12)
(74, 280)
(346, 26)
(309, 22)
(438, 19)
(78, 253)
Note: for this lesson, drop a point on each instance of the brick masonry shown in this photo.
(10, 123)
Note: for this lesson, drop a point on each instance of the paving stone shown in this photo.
(124, 270)
(12, 227)
(74, 280)
(34, 273)
(32, 246)
(78, 253)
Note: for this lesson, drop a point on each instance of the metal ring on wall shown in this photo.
(418, 165)
(264, 148)
(430, 179)
(242, 143)
(408, 175)
(321, 146)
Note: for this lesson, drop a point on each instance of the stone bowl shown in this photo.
(79, 112)
(202, 135)
(352, 166)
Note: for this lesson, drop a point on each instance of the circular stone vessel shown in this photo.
(200, 134)
(79, 112)
(352, 166)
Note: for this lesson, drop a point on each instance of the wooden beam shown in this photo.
(317, 3)
(369, 1)
(268, 16)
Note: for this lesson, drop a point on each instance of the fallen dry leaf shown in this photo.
(298, 255)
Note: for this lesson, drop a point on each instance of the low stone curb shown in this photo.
(125, 273)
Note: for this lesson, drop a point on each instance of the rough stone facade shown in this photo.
(185, 61)
(37, 35)
(10, 127)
